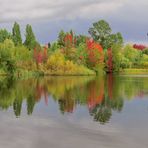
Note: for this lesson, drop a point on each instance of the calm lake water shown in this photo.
(74, 112)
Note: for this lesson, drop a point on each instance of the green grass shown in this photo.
(134, 71)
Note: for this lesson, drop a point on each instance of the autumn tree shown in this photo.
(16, 34)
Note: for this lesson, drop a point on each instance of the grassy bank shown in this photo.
(134, 71)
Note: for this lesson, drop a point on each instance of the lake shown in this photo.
(74, 112)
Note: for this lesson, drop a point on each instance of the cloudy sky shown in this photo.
(48, 17)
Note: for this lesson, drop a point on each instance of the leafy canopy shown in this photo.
(4, 34)
(102, 33)
(16, 34)
(30, 41)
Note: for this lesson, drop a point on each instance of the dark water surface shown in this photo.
(74, 112)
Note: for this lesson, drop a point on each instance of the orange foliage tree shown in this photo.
(95, 53)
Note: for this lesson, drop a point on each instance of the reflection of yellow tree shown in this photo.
(66, 103)
(66, 90)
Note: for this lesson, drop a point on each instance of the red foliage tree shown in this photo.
(139, 47)
(95, 52)
(69, 40)
(40, 55)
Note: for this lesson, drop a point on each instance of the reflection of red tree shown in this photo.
(141, 94)
(110, 85)
(41, 91)
(96, 94)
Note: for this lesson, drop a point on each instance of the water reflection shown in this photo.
(102, 95)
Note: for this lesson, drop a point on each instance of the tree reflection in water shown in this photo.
(102, 95)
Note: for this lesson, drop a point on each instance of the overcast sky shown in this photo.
(49, 16)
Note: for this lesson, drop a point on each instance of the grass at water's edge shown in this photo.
(24, 74)
(134, 71)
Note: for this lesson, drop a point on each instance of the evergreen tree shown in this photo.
(30, 41)
(16, 34)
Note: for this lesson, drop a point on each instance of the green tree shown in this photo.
(30, 104)
(30, 41)
(117, 57)
(80, 39)
(61, 37)
(4, 34)
(101, 32)
(115, 39)
(133, 55)
(7, 60)
(17, 106)
(16, 34)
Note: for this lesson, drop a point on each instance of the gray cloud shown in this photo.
(49, 16)
(33, 9)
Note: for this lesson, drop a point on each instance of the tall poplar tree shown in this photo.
(16, 34)
(30, 41)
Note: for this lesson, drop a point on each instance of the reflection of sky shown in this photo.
(46, 127)
(48, 17)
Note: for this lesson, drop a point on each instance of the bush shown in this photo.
(81, 54)
(134, 56)
(145, 51)
(4, 34)
(7, 60)
(58, 65)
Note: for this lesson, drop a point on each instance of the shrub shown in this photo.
(139, 47)
(4, 34)
(145, 51)
(58, 65)
(133, 55)
(7, 61)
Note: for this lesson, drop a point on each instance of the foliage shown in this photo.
(40, 55)
(16, 34)
(58, 65)
(81, 54)
(95, 59)
(133, 55)
(117, 57)
(7, 61)
(145, 51)
(61, 37)
(54, 46)
(101, 33)
(30, 41)
(80, 39)
(139, 47)
(4, 34)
